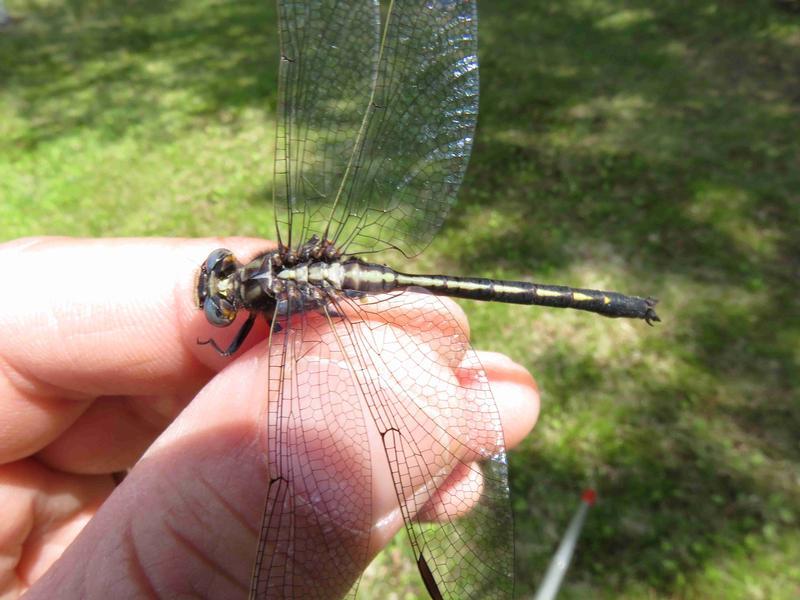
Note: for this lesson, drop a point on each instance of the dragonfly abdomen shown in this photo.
(375, 279)
(609, 304)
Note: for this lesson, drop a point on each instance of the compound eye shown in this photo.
(219, 315)
(220, 255)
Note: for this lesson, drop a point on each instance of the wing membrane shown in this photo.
(430, 401)
(315, 528)
(329, 52)
(376, 115)
(383, 419)
(374, 138)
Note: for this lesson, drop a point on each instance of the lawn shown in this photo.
(651, 147)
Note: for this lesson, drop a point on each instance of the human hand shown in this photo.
(99, 364)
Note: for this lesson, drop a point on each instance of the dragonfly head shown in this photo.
(217, 289)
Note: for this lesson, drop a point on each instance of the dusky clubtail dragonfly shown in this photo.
(377, 107)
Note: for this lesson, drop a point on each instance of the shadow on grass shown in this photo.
(662, 136)
(704, 149)
(105, 68)
(687, 473)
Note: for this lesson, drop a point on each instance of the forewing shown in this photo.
(415, 144)
(328, 65)
(316, 523)
(373, 159)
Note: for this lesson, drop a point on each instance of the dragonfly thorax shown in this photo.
(283, 280)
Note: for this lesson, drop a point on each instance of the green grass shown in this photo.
(651, 147)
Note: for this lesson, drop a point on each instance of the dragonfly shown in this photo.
(377, 108)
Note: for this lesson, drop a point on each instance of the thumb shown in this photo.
(184, 522)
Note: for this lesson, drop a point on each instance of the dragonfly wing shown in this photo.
(316, 522)
(382, 419)
(375, 129)
(328, 65)
(430, 401)
(414, 147)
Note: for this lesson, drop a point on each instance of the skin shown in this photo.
(101, 374)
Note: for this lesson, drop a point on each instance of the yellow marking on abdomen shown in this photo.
(463, 285)
(549, 293)
(581, 297)
(427, 282)
(507, 289)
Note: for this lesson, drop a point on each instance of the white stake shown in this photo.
(563, 556)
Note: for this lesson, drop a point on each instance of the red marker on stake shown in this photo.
(563, 556)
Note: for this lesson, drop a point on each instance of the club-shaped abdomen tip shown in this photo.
(650, 315)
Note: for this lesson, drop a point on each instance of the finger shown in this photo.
(99, 318)
(517, 397)
(516, 394)
(43, 511)
(435, 327)
(186, 518)
(111, 434)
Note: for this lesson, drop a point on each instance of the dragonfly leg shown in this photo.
(237, 341)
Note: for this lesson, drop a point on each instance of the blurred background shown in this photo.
(650, 147)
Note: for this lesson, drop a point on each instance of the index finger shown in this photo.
(86, 318)
(104, 317)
